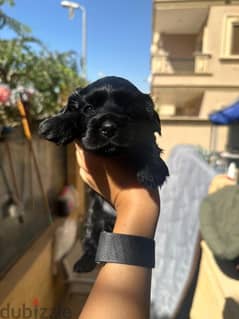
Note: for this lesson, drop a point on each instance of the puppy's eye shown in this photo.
(89, 109)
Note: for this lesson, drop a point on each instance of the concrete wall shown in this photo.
(182, 2)
(219, 86)
(226, 72)
(180, 46)
(30, 281)
(17, 236)
(185, 131)
(222, 72)
(214, 100)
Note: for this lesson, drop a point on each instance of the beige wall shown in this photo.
(214, 100)
(181, 3)
(180, 46)
(217, 293)
(224, 72)
(196, 132)
(31, 277)
(221, 72)
(219, 87)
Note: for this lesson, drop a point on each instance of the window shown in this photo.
(235, 39)
(230, 41)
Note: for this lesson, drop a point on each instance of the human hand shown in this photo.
(115, 179)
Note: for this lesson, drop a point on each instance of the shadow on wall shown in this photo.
(231, 309)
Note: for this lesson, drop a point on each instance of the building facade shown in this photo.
(194, 65)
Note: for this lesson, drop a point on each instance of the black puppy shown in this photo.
(111, 117)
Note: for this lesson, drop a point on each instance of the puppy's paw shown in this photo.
(85, 264)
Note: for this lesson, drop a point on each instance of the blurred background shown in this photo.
(185, 54)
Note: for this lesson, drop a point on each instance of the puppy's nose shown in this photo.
(108, 128)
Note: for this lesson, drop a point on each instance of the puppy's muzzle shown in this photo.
(108, 128)
(107, 132)
(107, 125)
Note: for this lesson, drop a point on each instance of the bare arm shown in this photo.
(120, 291)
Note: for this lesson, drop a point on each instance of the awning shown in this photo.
(226, 116)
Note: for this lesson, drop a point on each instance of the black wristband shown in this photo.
(125, 249)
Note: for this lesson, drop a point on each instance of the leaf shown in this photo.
(18, 27)
(52, 75)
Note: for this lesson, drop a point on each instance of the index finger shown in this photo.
(80, 157)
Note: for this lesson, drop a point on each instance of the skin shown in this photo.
(120, 291)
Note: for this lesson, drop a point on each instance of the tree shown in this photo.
(7, 21)
(51, 77)
(46, 78)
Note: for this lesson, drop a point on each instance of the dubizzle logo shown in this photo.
(34, 312)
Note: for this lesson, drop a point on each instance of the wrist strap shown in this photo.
(125, 249)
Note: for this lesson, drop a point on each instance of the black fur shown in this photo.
(111, 117)
(100, 216)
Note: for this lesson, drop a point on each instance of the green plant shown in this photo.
(27, 67)
(7, 21)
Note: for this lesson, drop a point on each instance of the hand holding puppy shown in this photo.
(137, 207)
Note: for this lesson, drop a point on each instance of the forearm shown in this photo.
(120, 291)
(123, 291)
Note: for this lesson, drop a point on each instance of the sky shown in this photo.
(118, 34)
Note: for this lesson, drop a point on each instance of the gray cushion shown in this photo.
(219, 222)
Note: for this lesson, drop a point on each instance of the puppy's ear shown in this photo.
(67, 125)
(154, 171)
(61, 129)
(152, 114)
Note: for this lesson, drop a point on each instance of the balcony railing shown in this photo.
(164, 64)
(182, 65)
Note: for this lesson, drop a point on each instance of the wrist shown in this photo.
(137, 215)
